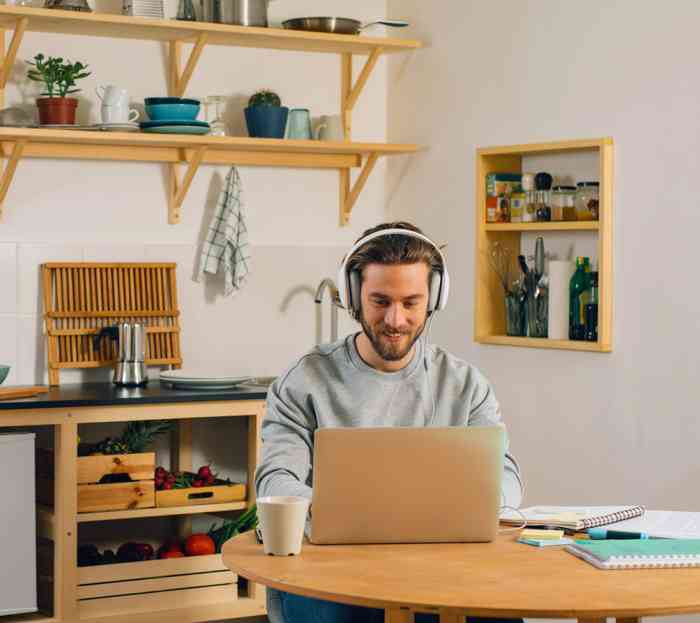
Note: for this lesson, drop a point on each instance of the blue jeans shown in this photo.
(298, 609)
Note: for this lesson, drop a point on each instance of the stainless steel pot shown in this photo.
(337, 25)
(239, 12)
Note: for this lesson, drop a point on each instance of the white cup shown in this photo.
(118, 114)
(330, 128)
(282, 520)
(112, 95)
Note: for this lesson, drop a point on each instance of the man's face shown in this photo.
(394, 301)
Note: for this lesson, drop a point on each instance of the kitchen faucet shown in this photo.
(328, 284)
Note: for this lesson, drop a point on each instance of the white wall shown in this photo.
(588, 428)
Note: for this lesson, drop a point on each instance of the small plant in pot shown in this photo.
(59, 78)
(265, 115)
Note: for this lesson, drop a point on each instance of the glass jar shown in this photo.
(587, 201)
(563, 203)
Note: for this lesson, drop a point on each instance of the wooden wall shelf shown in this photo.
(489, 311)
(195, 151)
(127, 27)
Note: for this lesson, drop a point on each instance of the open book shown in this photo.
(572, 517)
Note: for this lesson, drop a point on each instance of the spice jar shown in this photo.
(563, 203)
(587, 201)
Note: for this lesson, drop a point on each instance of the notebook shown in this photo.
(642, 554)
(664, 525)
(572, 517)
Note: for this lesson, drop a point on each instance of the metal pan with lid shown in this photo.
(336, 25)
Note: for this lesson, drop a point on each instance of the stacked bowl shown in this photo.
(173, 115)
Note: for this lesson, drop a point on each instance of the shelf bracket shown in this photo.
(179, 81)
(11, 55)
(348, 198)
(178, 190)
(350, 93)
(9, 172)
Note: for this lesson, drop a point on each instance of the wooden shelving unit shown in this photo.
(489, 310)
(142, 592)
(195, 151)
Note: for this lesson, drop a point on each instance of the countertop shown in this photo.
(108, 394)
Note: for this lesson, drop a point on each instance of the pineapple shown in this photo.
(137, 437)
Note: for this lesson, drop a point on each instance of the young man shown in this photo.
(392, 281)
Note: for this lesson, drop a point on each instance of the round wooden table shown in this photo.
(499, 579)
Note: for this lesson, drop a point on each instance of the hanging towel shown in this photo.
(227, 238)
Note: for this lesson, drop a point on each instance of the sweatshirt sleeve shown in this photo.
(287, 434)
(485, 411)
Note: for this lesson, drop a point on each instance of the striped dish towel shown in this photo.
(227, 238)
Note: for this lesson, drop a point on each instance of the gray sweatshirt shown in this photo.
(332, 386)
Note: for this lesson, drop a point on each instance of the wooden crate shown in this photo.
(153, 585)
(192, 496)
(95, 497)
(82, 298)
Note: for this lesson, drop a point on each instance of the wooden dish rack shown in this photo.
(81, 298)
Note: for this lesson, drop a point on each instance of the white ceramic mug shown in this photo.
(330, 128)
(112, 95)
(119, 114)
(282, 520)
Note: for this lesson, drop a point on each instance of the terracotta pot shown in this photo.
(57, 110)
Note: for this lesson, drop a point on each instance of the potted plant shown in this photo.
(265, 115)
(59, 78)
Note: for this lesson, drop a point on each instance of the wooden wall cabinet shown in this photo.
(489, 309)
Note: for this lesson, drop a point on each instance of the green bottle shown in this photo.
(592, 309)
(579, 288)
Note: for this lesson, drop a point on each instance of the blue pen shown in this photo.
(602, 533)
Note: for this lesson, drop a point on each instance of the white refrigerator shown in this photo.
(17, 525)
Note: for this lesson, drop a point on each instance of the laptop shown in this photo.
(406, 485)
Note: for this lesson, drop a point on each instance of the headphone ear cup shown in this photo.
(434, 293)
(354, 286)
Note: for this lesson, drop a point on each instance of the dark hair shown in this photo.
(395, 249)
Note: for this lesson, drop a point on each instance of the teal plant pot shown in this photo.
(266, 121)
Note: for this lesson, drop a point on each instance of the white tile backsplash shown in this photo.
(8, 346)
(32, 366)
(29, 260)
(8, 278)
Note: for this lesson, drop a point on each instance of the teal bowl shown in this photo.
(176, 111)
(4, 371)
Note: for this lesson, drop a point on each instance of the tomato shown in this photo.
(199, 545)
(172, 553)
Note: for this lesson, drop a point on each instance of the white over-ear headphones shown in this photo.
(349, 282)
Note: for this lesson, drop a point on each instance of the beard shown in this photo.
(386, 349)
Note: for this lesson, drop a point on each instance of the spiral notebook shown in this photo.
(639, 554)
(572, 517)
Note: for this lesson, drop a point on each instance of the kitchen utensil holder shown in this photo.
(82, 298)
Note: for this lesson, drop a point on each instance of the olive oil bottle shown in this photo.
(579, 292)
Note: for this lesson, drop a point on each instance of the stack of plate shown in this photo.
(183, 379)
(143, 8)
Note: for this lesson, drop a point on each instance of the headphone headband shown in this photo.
(350, 299)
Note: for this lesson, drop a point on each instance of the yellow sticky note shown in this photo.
(530, 533)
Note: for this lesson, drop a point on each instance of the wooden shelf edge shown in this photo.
(239, 608)
(551, 226)
(532, 148)
(533, 342)
(127, 27)
(162, 511)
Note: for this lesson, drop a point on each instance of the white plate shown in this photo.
(119, 127)
(202, 386)
(182, 378)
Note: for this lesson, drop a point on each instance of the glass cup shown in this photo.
(282, 521)
(217, 125)
(515, 315)
(299, 124)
